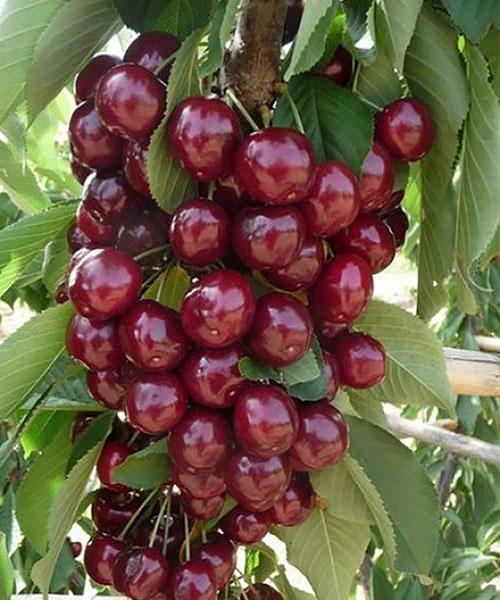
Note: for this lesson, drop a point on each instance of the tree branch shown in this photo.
(473, 373)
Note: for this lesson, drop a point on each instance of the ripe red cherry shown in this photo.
(220, 554)
(343, 289)
(100, 556)
(334, 199)
(107, 387)
(130, 101)
(268, 237)
(113, 455)
(392, 202)
(104, 284)
(202, 440)
(76, 549)
(91, 143)
(332, 374)
(199, 484)
(98, 234)
(193, 580)
(151, 49)
(155, 402)
(261, 591)
(80, 423)
(281, 331)
(141, 233)
(275, 165)
(80, 172)
(230, 196)
(398, 223)
(203, 134)
(152, 337)
(199, 232)
(406, 129)
(202, 509)
(256, 483)
(134, 167)
(77, 239)
(265, 420)
(212, 377)
(369, 237)
(61, 295)
(111, 511)
(377, 178)
(246, 527)
(339, 68)
(95, 345)
(140, 572)
(108, 198)
(219, 310)
(296, 504)
(361, 359)
(322, 438)
(87, 80)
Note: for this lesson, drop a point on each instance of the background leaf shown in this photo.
(255, 370)
(491, 49)
(305, 369)
(6, 571)
(473, 18)
(221, 25)
(98, 430)
(360, 28)
(378, 82)
(145, 469)
(55, 263)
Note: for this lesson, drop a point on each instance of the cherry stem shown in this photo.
(243, 593)
(211, 190)
(158, 521)
(295, 111)
(166, 62)
(230, 93)
(133, 438)
(151, 252)
(203, 536)
(168, 521)
(135, 516)
(187, 540)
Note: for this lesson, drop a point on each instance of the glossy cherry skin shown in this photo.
(199, 232)
(212, 377)
(265, 420)
(113, 454)
(130, 101)
(369, 237)
(95, 345)
(322, 439)
(80, 423)
(398, 223)
(107, 387)
(202, 440)
(100, 556)
(203, 134)
(256, 483)
(406, 129)
(134, 167)
(361, 359)
(343, 289)
(140, 572)
(220, 554)
(376, 179)
(261, 591)
(296, 504)
(76, 549)
(151, 49)
(155, 402)
(199, 484)
(275, 165)
(229, 195)
(246, 527)
(193, 580)
(334, 199)
(141, 233)
(339, 68)
(112, 511)
(152, 337)
(99, 234)
(202, 509)
(268, 237)
(108, 198)
(80, 172)
(77, 239)
(91, 143)
(219, 310)
(104, 284)
(281, 331)
(88, 78)
(332, 374)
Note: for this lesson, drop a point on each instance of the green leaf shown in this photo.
(315, 386)
(339, 125)
(6, 571)
(221, 26)
(145, 469)
(491, 49)
(416, 371)
(379, 82)
(360, 26)
(170, 288)
(96, 432)
(55, 263)
(473, 18)
(256, 370)
(305, 369)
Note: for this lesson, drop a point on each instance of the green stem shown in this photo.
(135, 516)
(151, 252)
(168, 522)
(158, 521)
(230, 93)
(295, 111)
(167, 61)
(187, 541)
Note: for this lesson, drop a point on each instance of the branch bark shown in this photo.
(473, 373)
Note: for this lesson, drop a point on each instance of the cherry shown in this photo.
(202, 509)
(296, 504)
(212, 377)
(199, 484)
(140, 572)
(339, 68)
(230, 196)
(202, 440)
(108, 198)
(268, 237)
(261, 591)
(80, 423)
(275, 165)
(322, 438)
(343, 289)
(80, 172)
(193, 580)
(111, 511)
(377, 178)
(199, 232)
(100, 556)
(134, 167)
(155, 402)
(334, 199)
(76, 549)
(77, 239)
(219, 310)
(98, 234)
(256, 483)
(245, 527)
(91, 143)
(175, 537)
(220, 554)
(113, 455)
(265, 420)
(392, 202)
(87, 80)
(61, 295)
(152, 337)
(406, 128)
(130, 101)
(369, 237)
(332, 374)
(95, 345)
(292, 20)
(361, 359)
(141, 233)
(104, 283)
(398, 223)
(281, 331)
(151, 49)
(107, 387)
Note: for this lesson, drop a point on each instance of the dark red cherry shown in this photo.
(193, 580)
(76, 549)
(202, 509)
(281, 331)
(77, 239)
(199, 484)
(212, 377)
(61, 295)
(130, 101)
(107, 387)
(327, 331)
(155, 402)
(151, 49)
(334, 199)
(256, 483)
(220, 554)
(361, 359)
(108, 198)
(406, 128)
(88, 78)
(104, 283)
(332, 374)
(219, 310)
(152, 337)
(91, 143)
(303, 271)
(99, 234)
(391, 203)
(292, 20)
(398, 223)
(111, 511)
(203, 134)
(175, 536)
(100, 556)
(265, 420)
(80, 423)
(261, 591)
(230, 196)
(268, 237)
(113, 455)
(339, 68)
(296, 504)
(275, 165)
(95, 345)
(80, 172)
(322, 438)
(343, 289)
(141, 233)
(134, 167)
(245, 527)
(140, 572)
(369, 237)
(376, 179)
(199, 232)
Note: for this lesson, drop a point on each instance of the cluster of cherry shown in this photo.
(310, 231)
